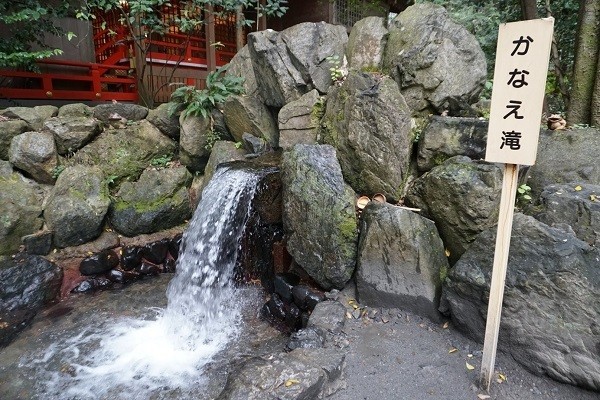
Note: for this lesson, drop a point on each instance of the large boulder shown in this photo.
(164, 121)
(577, 205)
(437, 63)
(77, 205)
(293, 62)
(124, 153)
(246, 114)
(21, 204)
(158, 200)
(241, 66)
(8, 130)
(128, 111)
(401, 261)
(551, 300)
(566, 156)
(28, 283)
(462, 197)
(72, 133)
(75, 110)
(318, 214)
(299, 120)
(369, 124)
(366, 44)
(34, 116)
(446, 137)
(194, 148)
(35, 153)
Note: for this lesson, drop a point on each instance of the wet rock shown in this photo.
(156, 252)
(35, 153)
(170, 265)
(131, 257)
(274, 308)
(329, 316)
(39, 243)
(166, 123)
(120, 276)
(254, 145)
(77, 205)
(8, 130)
(222, 152)
(293, 317)
(309, 338)
(318, 204)
(92, 284)
(128, 111)
(72, 133)
(551, 300)
(401, 261)
(28, 283)
(175, 246)
(306, 298)
(99, 263)
(366, 43)
(284, 283)
(148, 269)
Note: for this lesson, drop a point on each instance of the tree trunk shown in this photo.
(595, 110)
(529, 9)
(586, 59)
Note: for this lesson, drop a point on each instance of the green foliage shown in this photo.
(56, 171)
(24, 23)
(189, 100)
(336, 71)
(162, 161)
(523, 194)
(211, 138)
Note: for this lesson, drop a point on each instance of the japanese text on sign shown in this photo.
(522, 58)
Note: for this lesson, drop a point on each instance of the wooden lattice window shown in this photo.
(349, 12)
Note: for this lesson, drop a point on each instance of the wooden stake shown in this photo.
(505, 220)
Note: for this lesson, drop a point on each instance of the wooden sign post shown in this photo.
(522, 57)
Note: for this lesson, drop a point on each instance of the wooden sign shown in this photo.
(522, 56)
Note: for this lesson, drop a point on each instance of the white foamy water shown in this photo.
(132, 359)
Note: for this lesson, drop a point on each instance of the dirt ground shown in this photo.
(397, 355)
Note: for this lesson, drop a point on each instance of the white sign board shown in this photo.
(522, 56)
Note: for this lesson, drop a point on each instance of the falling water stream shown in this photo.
(167, 350)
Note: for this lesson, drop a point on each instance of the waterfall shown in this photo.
(135, 359)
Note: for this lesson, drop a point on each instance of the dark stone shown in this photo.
(174, 246)
(309, 338)
(99, 263)
(39, 243)
(131, 257)
(92, 284)
(156, 252)
(253, 144)
(148, 269)
(284, 283)
(306, 298)
(292, 317)
(120, 276)
(28, 282)
(169, 265)
(274, 308)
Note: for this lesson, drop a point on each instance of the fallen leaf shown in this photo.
(446, 325)
(351, 301)
(348, 315)
(483, 396)
(593, 197)
(452, 350)
(469, 366)
(578, 188)
(354, 306)
(291, 382)
(501, 377)
(447, 252)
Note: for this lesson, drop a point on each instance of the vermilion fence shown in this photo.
(66, 80)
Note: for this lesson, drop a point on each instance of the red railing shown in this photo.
(66, 80)
(174, 48)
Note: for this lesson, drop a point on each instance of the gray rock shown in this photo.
(21, 204)
(129, 111)
(401, 261)
(318, 214)
(35, 153)
(437, 63)
(75, 110)
(8, 130)
(241, 66)
(34, 116)
(566, 156)
(580, 209)
(295, 61)
(158, 200)
(38, 243)
(222, 152)
(245, 114)
(254, 145)
(299, 120)
(307, 338)
(309, 373)
(551, 300)
(328, 316)
(72, 133)
(446, 137)
(368, 122)
(77, 205)
(125, 153)
(28, 283)
(366, 44)
(166, 123)
(462, 197)
(194, 148)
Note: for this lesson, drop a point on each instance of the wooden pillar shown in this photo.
(211, 51)
(262, 21)
(331, 14)
(239, 28)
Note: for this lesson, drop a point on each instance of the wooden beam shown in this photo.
(239, 28)
(211, 51)
(262, 21)
(505, 220)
